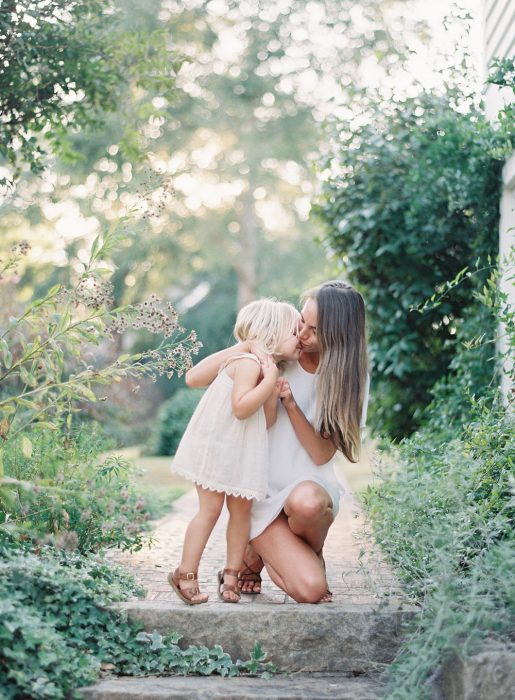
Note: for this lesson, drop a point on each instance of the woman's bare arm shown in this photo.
(320, 449)
(203, 373)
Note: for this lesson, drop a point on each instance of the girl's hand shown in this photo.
(269, 369)
(285, 393)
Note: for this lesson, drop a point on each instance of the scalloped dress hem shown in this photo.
(220, 488)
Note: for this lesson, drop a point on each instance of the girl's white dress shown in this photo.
(220, 452)
(289, 462)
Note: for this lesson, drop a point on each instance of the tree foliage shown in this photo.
(63, 65)
(411, 199)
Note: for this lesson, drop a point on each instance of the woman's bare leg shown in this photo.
(197, 534)
(309, 510)
(238, 529)
(291, 563)
(247, 581)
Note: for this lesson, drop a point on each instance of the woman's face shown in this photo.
(308, 327)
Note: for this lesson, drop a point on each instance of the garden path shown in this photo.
(355, 571)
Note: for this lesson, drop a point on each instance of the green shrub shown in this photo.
(58, 488)
(445, 522)
(411, 198)
(57, 631)
(172, 419)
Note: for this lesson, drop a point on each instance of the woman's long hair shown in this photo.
(343, 368)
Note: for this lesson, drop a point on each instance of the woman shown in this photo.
(323, 399)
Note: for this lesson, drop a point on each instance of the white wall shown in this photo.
(499, 42)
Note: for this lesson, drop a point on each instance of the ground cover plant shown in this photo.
(58, 631)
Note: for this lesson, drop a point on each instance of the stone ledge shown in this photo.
(328, 638)
(487, 675)
(297, 687)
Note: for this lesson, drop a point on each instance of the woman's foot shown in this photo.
(249, 577)
(328, 596)
(228, 586)
(186, 587)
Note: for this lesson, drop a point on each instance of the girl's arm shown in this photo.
(320, 449)
(270, 407)
(247, 395)
(206, 370)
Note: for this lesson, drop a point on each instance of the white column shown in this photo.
(507, 249)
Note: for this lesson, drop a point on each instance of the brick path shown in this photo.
(355, 572)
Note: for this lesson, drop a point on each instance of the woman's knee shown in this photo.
(309, 502)
(309, 588)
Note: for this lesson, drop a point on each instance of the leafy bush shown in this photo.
(57, 632)
(445, 522)
(46, 375)
(411, 198)
(444, 514)
(59, 489)
(172, 419)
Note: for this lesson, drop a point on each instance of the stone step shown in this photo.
(298, 638)
(296, 687)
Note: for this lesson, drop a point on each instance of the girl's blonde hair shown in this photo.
(343, 367)
(266, 321)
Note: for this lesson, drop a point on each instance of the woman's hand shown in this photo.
(285, 393)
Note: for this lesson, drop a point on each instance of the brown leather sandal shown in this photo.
(251, 575)
(223, 587)
(185, 594)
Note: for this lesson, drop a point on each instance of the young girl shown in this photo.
(224, 449)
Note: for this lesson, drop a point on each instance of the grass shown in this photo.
(154, 480)
(357, 477)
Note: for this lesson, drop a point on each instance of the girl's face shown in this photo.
(308, 327)
(289, 349)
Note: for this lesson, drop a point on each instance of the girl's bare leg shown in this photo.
(238, 529)
(291, 563)
(197, 535)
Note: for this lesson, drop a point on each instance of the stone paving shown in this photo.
(355, 572)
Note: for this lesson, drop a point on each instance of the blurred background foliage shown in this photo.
(216, 108)
(220, 110)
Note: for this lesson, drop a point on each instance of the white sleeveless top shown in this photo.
(220, 452)
(290, 463)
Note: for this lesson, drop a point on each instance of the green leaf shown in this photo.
(86, 392)
(26, 447)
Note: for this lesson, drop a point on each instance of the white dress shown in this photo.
(290, 464)
(220, 452)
